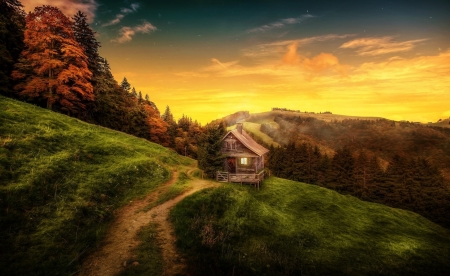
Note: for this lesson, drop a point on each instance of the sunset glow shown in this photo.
(208, 59)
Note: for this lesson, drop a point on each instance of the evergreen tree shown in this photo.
(53, 67)
(323, 171)
(171, 126)
(12, 25)
(184, 122)
(133, 93)
(85, 36)
(210, 158)
(342, 170)
(125, 85)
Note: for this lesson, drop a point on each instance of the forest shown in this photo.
(53, 61)
(401, 165)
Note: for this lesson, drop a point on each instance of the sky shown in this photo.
(208, 59)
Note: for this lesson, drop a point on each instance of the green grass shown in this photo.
(291, 228)
(148, 255)
(60, 181)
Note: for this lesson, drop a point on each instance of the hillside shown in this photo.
(60, 182)
(400, 164)
(291, 228)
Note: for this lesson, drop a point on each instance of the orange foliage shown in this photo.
(53, 66)
(158, 127)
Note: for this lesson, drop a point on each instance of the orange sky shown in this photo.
(208, 59)
(414, 88)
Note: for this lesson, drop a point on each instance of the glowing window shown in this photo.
(244, 161)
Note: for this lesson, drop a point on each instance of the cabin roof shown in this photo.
(248, 142)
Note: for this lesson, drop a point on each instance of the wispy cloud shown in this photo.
(280, 23)
(126, 33)
(373, 46)
(68, 7)
(123, 11)
(278, 47)
(218, 66)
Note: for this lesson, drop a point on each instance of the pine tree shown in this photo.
(342, 170)
(53, 67)
(210, 158)
(172, 126)
(133, 93)
(125, 85)
(85, 36)
(12, 25)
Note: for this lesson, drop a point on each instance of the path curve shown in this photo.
(121, 238)
(173, 264)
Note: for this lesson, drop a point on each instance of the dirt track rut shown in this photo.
(121, 238)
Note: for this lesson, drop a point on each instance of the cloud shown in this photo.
(219, 66)
(278, 47)
(121, 15)
(280, 23)
(126, 33)
(373, 46)
(315, 65)
(68, 7)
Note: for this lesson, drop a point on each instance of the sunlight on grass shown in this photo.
(291, 228)
(61, 180)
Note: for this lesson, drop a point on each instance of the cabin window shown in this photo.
(230, 145)
(244, 161)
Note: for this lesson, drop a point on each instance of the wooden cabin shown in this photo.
(244, 162)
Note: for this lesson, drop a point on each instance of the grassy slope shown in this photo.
(291, 228)
(60, 181)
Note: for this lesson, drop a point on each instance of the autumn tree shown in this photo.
(53, 67)
(157, 126)
(12, 25)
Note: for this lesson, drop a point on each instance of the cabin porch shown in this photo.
(251, 178)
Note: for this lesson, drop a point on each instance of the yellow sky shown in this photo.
(208, 60)
(414, 88)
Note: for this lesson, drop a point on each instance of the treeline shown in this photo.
(407, 183)
(382, 137)
(52, 61)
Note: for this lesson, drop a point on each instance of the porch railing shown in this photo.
(222, 177)
(240, 177)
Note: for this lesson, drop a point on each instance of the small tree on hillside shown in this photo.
(210, 159)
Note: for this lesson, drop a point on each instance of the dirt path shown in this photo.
(173, 264)
(121, 238)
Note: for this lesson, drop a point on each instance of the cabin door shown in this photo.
(231, 163)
